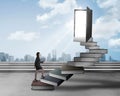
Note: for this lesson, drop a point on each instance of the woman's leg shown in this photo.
(36, 75)
(42, 72)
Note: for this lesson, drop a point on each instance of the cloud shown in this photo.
(58, 15)
(57, 8)
(42, 17)
(114, 43)
(24, 36)
(47, 3)
(44, 26)
(106, 3)
(106, 29)
(107, 26)
(69, 25)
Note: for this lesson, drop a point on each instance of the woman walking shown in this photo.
(38, 66)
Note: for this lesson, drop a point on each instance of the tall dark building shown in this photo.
(103, 58)
(49, 57)
(54, 57)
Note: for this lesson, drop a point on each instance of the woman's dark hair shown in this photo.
(37, 54)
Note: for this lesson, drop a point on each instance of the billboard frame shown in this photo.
(88, 24)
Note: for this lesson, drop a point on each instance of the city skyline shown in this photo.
(51, 57)
(5, 57)
(28, 26)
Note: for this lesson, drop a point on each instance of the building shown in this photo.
(54, 56)
(49, 57)
(11, 58)
(111, 59)
(28, 58)
(65, 57)
(4, 57)
(103, 58)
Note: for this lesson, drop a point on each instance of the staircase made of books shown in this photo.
(87, 62)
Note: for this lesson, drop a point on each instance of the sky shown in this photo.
(28, 26)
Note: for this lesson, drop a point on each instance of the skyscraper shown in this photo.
(54, 57)
(49, 57)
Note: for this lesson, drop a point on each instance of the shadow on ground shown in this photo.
(86, 84)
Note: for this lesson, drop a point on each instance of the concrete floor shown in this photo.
(88, 84)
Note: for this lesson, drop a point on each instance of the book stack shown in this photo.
(38, 85)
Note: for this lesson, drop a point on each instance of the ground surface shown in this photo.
(88, 84)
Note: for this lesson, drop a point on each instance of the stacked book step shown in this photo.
(86, 59)
(38, 85)
(101, 51)
(91, 55)
(57, 74)
(93, 47)
(90, 45)
(52, 80)
(67, 69)
(80, 64)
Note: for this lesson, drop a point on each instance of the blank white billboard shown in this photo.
(82, 25)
